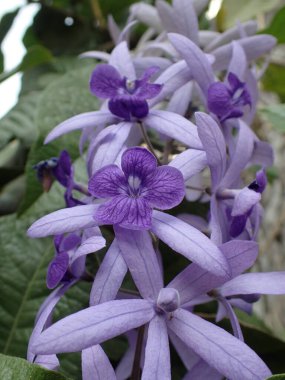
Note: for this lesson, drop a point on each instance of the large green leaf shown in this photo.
(12, 368)
(64, 97)
(274, 80)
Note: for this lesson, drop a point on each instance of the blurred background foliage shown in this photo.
(55, 87)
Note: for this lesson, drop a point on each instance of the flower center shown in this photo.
(134, 185)
(130, 86)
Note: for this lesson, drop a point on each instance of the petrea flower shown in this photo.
(162, 309)
(45, 171)
(127, 96)
(227, 100)
(136, 189)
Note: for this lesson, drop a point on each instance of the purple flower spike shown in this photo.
(127, 97)
(136, 189)
(227, 100)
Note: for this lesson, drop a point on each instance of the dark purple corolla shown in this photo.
(227, 100)
(136, 189)
(127, 96)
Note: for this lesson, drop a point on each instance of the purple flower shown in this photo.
(227, 100)
(45, 171)
(127, 96)
(136, 189)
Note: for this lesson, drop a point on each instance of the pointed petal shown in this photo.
(173, 78)
(241, 155)
(65, 220)
(253, 46)
(262, 154)
(174, 126)
(232, 317)
(214, 144)
(251, 283)
(194, 280)
(96, 365)
(110, 143)
(108, 181)
(187, 355)
(93, 325)
(147, 14)
(157, 355)
(109, 276)
(84, 120)
(186, 19)
(195, 59)
(238, 63)
(189, 162)
(190, 242)
(180, 100)
(228, 355)
(122, 61)
(141, 259)
(50, 362)
(249, 28)
(100, 55)
(165, 189)
(93, 244)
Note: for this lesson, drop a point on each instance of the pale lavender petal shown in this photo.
(181, 99)
(125, 33)
(241, 156)
(44, 315)
(206, 37)
(244, 201)
(93, 325)
(222, 351)
(157, 355)
(109, 144)
(219, 221)
(138, 162)
(202, 371)
(214, 144)
(190, 242)
(142, 63)
(96, 365)
(238, 63)
(262, 154)
(165, 189)
(93, 244)
(141, 259)
(113, 29)
(251, 283)
(232, 317)
(174, 77)
(109, 276)
(121, 59)
(190, 162)
(147, 14)
(124, 368)
(131, 213)
(254, 47)
(253, 90)
(200, 5)
(96, 54)
(249, 27)
(108, 181)
(186, 19)
(50, 362)
(195, 221)
(194, 281)
(196, 60)
(105, 81)
(166, 16)
(174, 126)
(64, 220)
(84, 120)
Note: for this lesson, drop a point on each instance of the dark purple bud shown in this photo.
(260, 182)
(57, 269)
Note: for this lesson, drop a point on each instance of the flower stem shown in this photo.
(148, 142)
(136, 365)
(97, 12)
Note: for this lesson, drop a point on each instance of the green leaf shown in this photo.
(64, 97)
(12, 368)
(20, 121)
(274, 80)
(276, 28)
(281, 376)
(36, 55)
(275, 114)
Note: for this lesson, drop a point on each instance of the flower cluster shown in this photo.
(156, 88)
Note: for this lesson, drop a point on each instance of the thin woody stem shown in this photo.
(136, 371)
(97, 12)
(148, 142)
